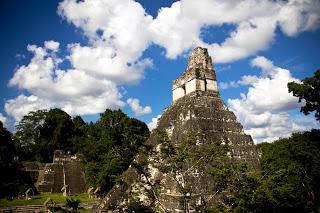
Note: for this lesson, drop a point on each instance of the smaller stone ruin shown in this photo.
(65, 175)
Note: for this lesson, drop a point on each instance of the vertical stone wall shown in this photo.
(178, 93)
(65, 170)
(211, 85)
(75, 177)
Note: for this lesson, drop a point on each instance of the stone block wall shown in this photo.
(66, 170)
(75, 177)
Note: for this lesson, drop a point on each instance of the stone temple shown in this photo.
(197, 107)
(64, 175)
(199, 76)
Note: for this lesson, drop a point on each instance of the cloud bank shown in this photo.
(130, 30)
(264, 109)
(74, 90)
(119, 31)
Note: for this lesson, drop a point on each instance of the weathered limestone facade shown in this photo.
(199, 75)
(65, 175)
(197, 107)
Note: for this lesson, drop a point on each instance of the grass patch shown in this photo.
(79, 211)
(41, 198)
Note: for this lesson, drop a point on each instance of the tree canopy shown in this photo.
(289, 179)
(7, 165)
(11, 178)
(41, 132)
(106, 147)
(291, 172)
(28, 134)
(109, 145)
(7, 150)
(309, 91)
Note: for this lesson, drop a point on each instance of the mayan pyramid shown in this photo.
(197, 107)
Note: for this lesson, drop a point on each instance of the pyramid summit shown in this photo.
(198, 76)
(171, 172)
(200, 108)
(200, 58)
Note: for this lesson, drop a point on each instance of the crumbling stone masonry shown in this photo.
(197, 107)
(198, 77)
(64, 175)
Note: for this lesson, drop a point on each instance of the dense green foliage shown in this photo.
(12, 179)
(109, 145)
(289, 180)
(40, 133)
(7, 162)
(7, 150)
(27, 134)
(106, 147)
(309, 91)
(291, 172)
(73, 204)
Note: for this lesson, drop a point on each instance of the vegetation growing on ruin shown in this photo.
(289, 179)
(106, 147)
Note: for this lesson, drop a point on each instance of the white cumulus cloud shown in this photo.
(271, 92)
(137, 109)
(245, 80)
(104, 61)
(118, 33)
(73, 90)
(153, 123)
(52, 45)
(119, 24)
(264, 109)
(125, 25)
(178, 28)
(22, 104)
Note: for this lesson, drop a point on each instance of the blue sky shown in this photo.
(85, 56)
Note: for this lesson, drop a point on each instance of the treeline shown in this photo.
(106, 147)
(289, 180)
